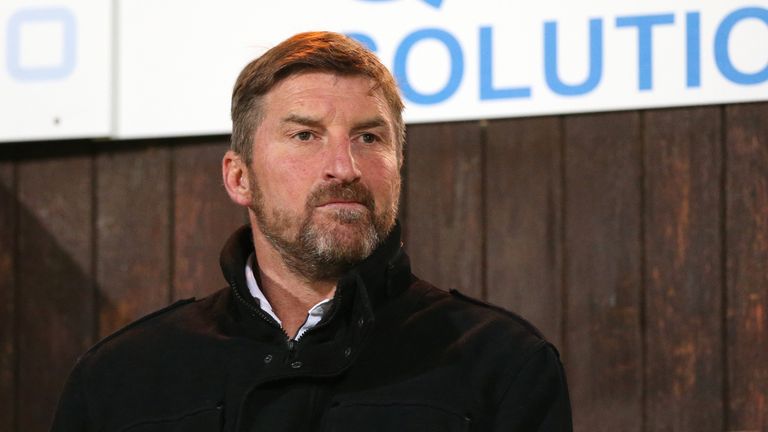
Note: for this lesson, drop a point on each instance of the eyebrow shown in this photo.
(302, 120)
(375, 122)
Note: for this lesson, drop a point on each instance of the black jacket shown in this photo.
(392, 354)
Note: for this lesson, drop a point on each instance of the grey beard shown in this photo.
(316, 253)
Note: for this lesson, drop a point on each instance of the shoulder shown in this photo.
(488, 342)
(476, 321)
(139, 361)
(155, 318)
(174, 324)
(502, 313)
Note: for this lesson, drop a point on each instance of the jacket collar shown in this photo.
(363, 288)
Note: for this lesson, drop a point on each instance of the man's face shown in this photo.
(325, 172)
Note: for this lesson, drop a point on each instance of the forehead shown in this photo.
(326, 93)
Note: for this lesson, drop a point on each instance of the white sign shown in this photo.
(175, 61)
(453, 59)
(55, 69)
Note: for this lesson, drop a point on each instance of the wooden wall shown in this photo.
(637, 241)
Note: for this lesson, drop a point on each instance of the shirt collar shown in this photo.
(314, 315)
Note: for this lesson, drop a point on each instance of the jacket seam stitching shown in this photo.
(139, 321)
(540, 345)
(405, 403)
(170, 419)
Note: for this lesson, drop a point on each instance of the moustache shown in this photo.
(354, 192)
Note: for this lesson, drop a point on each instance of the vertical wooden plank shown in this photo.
(133, 234)
(402, 213)
(55, 288)
(523, 208)
(444, 200)
(204, 218)
(747, 265)
(603, 348)
(7, 296)
(683, 339)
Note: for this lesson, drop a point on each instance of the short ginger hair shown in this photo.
(307, 52)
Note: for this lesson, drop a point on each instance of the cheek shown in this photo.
(285, 181)
(384, 181)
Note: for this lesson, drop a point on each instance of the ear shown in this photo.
(234, 172)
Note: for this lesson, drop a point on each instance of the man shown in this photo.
(323, 326)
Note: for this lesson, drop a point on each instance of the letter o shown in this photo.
(722, 57)
(457, 66)
(68, 44)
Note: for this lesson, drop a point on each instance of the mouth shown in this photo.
(338, 198)
(341, 203)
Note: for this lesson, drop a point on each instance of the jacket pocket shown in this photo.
(209, 419)
(394, 417)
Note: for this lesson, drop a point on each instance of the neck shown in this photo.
(290, 295)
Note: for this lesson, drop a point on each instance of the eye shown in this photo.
(368, 138)
(304, 136)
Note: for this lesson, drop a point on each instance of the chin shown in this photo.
(352, 239)
(343, 221)
(346, 235)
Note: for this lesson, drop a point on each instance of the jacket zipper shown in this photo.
(258, 312)
(336, 305)
(289, 341)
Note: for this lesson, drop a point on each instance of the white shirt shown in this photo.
(313, 317)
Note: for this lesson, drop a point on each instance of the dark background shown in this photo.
(637, 241)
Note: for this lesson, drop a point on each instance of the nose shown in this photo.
(340, 162)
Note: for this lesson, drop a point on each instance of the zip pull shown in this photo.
(291, 357)
(291, 345)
